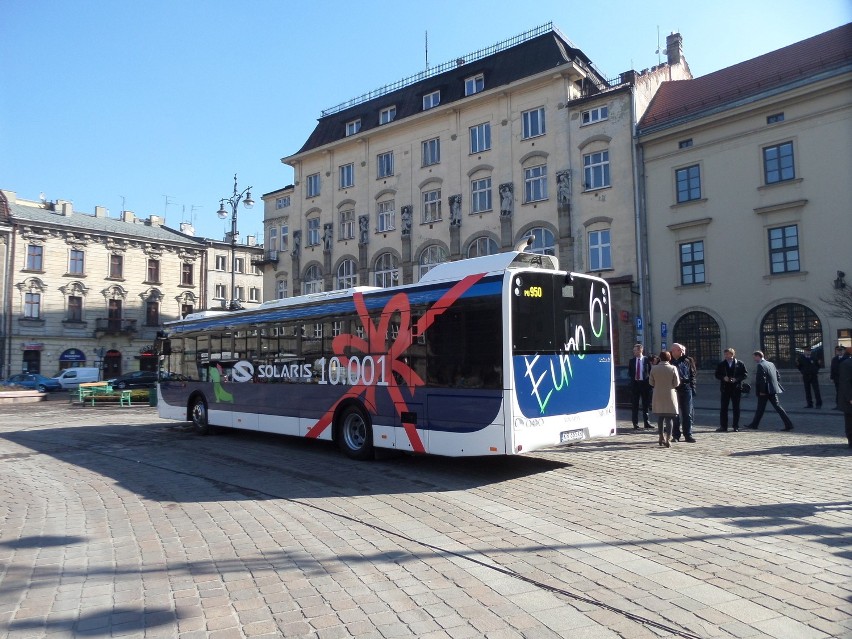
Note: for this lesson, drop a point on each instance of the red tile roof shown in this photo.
(680, 99)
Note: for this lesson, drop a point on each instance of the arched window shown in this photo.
(312, 282)
(543, 241)
(431, 257)
(386, 271)
(786, 329)
(700, 333)
(482, 246)
(347, 275)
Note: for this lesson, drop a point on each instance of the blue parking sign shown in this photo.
(638, 323)
(664, 329)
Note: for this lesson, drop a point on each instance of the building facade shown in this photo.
(90, 290)
(244, 265)
(747, 219)
(525, 138)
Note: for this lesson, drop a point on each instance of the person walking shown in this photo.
(640, 391)
(767, 387)
(844, 390)
(834, 375)
(664, 379)
(809, 368)
(731, 374)
(685, 393)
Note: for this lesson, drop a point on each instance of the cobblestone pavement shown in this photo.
(115, 523)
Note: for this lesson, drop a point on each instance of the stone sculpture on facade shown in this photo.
(507, 199)
(363, 229)
(455, 210)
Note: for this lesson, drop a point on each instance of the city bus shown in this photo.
(497, 355)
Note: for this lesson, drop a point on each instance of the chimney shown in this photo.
(674, 48)
(187, 229)
(128, 216)
(63, 208)
(628, 77)
(251, 240)
(101, 211)
(154, 220)
(11, 196)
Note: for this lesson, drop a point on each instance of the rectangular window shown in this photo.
(272, 240)
(347, 176)
(76, 262)
(431, 100)
(282, 202)
(784, 249)
(116, 266)
(384, 162)
(535, 183)
(240, 293)
(353, 127)
(688, 183)
(153, 270)
(480, 195)
(595, 115)
(254, 294)
(474, 84)
(32, 305)
(312, 188)
(480, 137)
(347, 225)
(75, 308)
(778, 163)
(35, 257)
(285, 237)
(239, 265)
(596, 170)
(313, 231)
(685, 144)
(432, 206)
(431, 151)
(692, 263)
(387, 115)
(600, 250)
(186, 309)
(152, 313)
(219, 291)
(281, 289)
(186, 274)
(775, 117)
(533, 122)
(385, 216)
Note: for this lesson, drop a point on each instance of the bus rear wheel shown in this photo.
(199, 416)
(355, 434)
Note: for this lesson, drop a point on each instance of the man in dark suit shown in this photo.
(767, 387)
(809, 368)
(731, 374)
(835, 375)
(640, 390)
(844, 390)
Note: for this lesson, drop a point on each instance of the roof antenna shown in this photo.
(659, 48)
(427, 50)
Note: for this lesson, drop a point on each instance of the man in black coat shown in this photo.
(844, 389)
(809, 368)
(835, 375)
(767, 387)
(731, 374)
(640, 390)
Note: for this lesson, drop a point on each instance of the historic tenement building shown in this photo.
(524, 138)
(747, 218)
(247, 276)
(90, 290)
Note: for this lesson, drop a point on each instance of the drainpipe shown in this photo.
(641, 237)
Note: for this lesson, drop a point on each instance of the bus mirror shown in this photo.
(569, 279)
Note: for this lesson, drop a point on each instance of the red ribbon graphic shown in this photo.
(376, 347)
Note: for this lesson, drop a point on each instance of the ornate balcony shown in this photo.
(269, 257)
(110, 326)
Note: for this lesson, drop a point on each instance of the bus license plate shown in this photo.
(571, 435)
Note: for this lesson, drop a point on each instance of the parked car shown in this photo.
(136, 379)
(623, 383)
(33, 381)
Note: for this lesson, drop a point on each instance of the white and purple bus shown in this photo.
(497, 355)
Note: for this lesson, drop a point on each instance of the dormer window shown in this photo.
(387, 115)
(474, 84)
(431, 100)
(353, 127)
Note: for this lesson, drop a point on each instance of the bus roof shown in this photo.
(446, 271)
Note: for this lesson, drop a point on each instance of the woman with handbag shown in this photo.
(664, 379)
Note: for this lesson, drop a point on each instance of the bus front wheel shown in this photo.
(355, 436)
(199, 416)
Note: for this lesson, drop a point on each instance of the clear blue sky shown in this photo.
(106, 99)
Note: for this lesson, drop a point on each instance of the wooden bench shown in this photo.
(91, 390)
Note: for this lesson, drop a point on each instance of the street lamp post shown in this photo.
(234, 201)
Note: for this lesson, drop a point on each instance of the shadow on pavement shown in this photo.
(43, 541)
(100, 623)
